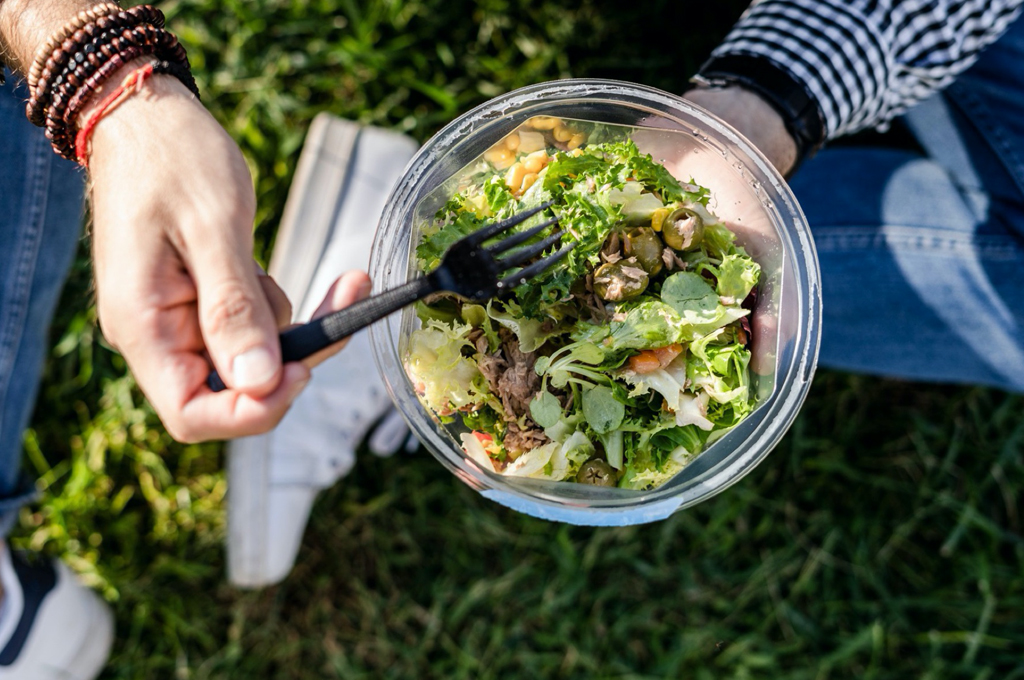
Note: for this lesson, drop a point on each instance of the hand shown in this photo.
(173, 209)
(752, 117)
(731, 196)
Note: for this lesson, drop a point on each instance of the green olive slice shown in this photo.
(683, 229)
(646, 247)
(596, 472)
(622, 280)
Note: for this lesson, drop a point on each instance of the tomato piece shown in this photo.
(483, 437)
(645, 362)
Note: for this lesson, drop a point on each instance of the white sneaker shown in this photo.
(343, 178)
(51, 627)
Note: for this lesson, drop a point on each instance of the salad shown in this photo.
(618, 365)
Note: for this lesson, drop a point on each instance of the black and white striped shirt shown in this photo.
(866, 61)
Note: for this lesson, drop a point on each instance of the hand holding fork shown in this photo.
(468, 268)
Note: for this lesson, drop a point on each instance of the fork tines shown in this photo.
(478, 237)
(527, 273)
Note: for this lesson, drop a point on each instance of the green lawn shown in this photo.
(882, 539)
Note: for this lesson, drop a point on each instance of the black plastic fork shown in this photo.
(468, 268)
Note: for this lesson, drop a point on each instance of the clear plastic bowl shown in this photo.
(747, 193)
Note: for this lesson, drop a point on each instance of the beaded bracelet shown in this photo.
(59, 125)
(170, 52)
(84, 17)
(70, 49)
(84, 55)
(73, 78)
(61, 133)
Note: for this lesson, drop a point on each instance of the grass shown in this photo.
(882, 539)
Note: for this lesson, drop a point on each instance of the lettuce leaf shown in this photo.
(737, 276)
(446, 380)
(532, 333)
(555, 461)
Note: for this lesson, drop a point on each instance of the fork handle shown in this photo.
(309, 338)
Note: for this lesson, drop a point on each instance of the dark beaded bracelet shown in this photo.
(83, 18)
(161, 45)
(180, 71)
(65, 55)
(60, 128)
(63, 86)
(57, 131)
(70, 51)
(140, 36)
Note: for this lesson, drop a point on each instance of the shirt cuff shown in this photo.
(828, 47)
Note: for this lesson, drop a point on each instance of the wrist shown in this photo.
(146, 111)
(754, 118)
(151, 112)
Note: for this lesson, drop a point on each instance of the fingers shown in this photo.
(230, 414)
(280, 305)
(236, 316)
(233, 413)
(347, 290)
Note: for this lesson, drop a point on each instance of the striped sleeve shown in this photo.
(867, 61)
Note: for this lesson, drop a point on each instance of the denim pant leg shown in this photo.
(922, 254)
(915, 282)
(40, 221)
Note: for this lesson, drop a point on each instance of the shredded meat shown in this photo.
(671, 260)
(590, 301)
(518, 441)
(479, 340)
(493, 367)
(612, 250)
(519, 383)
(511, 377)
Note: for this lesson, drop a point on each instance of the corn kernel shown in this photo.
(536, 161)
(658, 218)
(562, 134)
(512, 142)
(576, 140)
(514, 176)
(528, 180)
(500, 157)
(544, 122)
(576, 153)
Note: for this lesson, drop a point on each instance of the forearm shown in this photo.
(26, 24)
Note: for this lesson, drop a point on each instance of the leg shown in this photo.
(50, 626)
(39, 227)
(920, 277)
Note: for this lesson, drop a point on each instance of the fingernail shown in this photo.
(252, 368)
(296, 389)
(364, 288)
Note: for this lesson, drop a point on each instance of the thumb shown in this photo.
(236, 318)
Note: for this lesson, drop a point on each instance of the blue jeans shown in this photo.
(40, 219)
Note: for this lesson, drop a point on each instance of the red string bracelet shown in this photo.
(129, 86)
